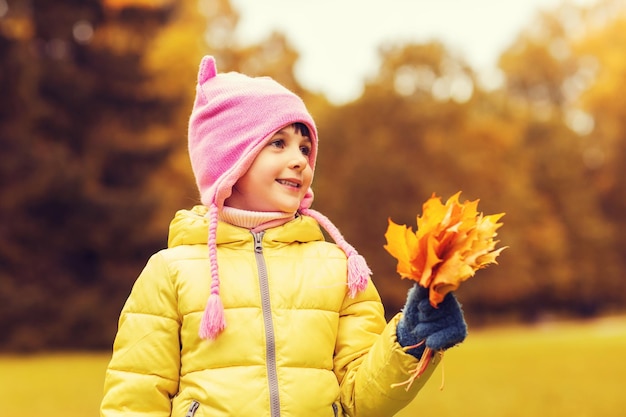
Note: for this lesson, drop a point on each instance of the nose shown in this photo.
(298, 159)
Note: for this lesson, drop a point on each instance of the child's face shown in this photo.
(278, 178)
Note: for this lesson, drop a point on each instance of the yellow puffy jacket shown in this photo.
(295, 343)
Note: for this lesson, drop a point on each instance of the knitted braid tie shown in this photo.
(213, 320)
(358, 271)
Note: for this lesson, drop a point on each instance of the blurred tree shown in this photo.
(93, 121)
(547, 73)
(600, 115)
(85, 128)
(424, 125)
(386, 153)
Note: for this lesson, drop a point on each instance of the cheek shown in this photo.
(258, 172)
(249, 183)
(308, 177)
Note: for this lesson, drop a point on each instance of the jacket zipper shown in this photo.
(192, 408)
(270, 346)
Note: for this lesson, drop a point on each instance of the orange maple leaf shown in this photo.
(451, 243)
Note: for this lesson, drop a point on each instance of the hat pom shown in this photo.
(358, 273)
(213, 320)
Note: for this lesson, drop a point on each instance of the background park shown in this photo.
(93, 119)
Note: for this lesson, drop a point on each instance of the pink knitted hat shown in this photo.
(232, 119)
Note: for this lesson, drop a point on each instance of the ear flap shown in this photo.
(307, 200)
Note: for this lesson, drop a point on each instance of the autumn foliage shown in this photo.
(96, 99)
(451, 243)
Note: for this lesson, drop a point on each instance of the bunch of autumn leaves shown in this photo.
(451, 243)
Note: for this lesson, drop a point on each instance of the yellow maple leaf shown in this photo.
(452, 241)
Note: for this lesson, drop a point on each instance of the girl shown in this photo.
(249, 312)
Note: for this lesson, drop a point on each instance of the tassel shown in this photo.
(358, 271)
(213, 320)
(358, 274)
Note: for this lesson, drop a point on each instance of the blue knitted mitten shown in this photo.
(441, 327)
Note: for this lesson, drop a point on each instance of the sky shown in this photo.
(338, 39)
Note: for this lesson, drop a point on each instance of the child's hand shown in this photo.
(440, 328)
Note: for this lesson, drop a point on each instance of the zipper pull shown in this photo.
(258, 241)
(192, 408)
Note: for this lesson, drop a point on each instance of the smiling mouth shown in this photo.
(289, 183)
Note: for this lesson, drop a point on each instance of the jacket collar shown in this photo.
(190, 227)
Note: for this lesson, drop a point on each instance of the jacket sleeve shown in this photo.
(143, 373)
(369, 360)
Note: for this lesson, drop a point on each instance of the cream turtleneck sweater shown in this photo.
(254, 220)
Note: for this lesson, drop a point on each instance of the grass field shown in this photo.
(553, 370)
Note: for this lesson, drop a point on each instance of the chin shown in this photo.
(289, 208)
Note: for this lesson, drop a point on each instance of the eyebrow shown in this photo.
(283, 131)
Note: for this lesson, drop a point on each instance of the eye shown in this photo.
(306, 150)
(277, 143)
